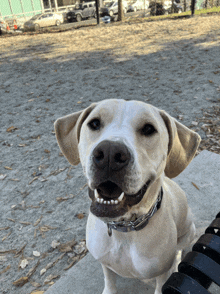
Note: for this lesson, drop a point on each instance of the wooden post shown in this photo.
(120, 11)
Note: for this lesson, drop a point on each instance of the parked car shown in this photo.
(82, 11)
(137, 5)
(111, 8)
(177, 8)
(3, 26)
(43, 20)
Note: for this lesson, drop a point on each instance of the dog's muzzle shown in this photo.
(111, 159)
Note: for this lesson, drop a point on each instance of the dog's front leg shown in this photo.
(110, 281)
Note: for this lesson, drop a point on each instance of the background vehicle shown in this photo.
(82, 11)
(3, 26)
(44, 20)
(111, 8)
(137, 5)
(160, 8)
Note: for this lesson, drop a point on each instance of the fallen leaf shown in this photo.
(48, 100)
(34, 179)
(80, 215)
(54, 244)
(195, 186)
(20, 282)
(6, 236)
(50, 278)
(35, 284)
(43, 271)
(38, 292)
(23, 263)
(7, 167)
(67, 247)
(21, 145)
(5, 228)
(210, 81)
(2, 177)
(33, 269)
(36, 253)
(11, 129)
(5, 269)
(46, 151)
(30, 100)
(11, 219)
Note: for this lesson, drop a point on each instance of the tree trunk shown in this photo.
(120, 11)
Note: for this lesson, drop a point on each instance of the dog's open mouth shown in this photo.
(108, 199)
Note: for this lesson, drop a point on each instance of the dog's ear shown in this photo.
(67, 130)
(182, 147)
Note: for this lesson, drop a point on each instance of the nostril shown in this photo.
(99, 155)
(120, 158)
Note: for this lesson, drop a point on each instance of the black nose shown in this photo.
(111, 155)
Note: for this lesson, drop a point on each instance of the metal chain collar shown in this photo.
(138, 223)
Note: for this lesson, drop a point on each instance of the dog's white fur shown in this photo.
(152, 251)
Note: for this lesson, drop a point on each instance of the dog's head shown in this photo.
(124, 148)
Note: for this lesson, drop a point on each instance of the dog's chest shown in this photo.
(124, 256)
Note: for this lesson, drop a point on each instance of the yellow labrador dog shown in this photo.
(139, 217)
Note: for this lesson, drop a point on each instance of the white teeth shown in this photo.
(96, 194)
(121, 196)
(101, 200)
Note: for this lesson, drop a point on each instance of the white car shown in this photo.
(138, 5)
(44, 20)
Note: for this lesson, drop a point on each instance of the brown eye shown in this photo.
(94, 124)
(148, 130)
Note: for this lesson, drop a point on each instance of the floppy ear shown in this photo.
(67, 130)
(182, 147)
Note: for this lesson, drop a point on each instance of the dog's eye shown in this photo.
(148, 130)
(94, 124)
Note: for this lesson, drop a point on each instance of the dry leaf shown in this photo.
(67, 247)
(7, 167)
(6, 236)
(11, 219)
(38, 292)
(2, 177)
(21, 145)
(43, 271)
(34, 179)
(33, 269)
(5, 228)
(36, 253)
(54, 244)
(210, 81)
(195, 186)
(11, 129)
(80, 215)
(5, 269)
(50, 278)
(48, 100)
(46, 151)
(30, 100)
(23, 263)
(79, 102)
(20, 282)
(35, 284)
(38, 221)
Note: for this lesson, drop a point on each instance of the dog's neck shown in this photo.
(135, 223)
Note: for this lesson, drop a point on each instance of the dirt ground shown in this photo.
(172, 64)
